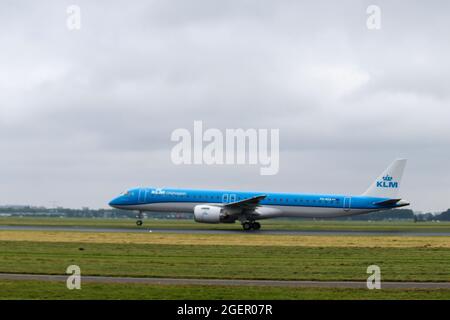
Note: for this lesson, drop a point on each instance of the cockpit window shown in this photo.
(125, 193)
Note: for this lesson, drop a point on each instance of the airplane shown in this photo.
(222, 206)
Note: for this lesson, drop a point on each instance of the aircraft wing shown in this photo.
(246, 204)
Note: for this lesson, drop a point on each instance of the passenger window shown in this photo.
(225, 198)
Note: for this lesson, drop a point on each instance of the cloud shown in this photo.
(85, 114)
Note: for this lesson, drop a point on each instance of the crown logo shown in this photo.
(387, 178)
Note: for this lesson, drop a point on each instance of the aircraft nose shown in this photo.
(114, 202)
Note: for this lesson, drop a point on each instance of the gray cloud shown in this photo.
(85, 114)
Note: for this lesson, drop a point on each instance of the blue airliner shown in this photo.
(221, 206)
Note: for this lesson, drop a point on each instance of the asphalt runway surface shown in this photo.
(227, 231)
(231, 282)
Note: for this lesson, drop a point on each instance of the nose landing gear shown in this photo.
(251, 225)
(139, 217)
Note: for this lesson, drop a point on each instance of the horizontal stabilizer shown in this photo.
(389, 202)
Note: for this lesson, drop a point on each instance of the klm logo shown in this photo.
(387, 183)
(158, 191)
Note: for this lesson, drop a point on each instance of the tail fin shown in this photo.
(387, 184)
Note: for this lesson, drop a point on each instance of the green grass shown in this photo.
(26, 289)
(273, 224)
(421, 263)
(223, 261)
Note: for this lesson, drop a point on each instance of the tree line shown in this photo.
(395, 214)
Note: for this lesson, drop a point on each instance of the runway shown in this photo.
(226, 231)
(231, 282)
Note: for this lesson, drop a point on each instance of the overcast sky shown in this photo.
(85, 114)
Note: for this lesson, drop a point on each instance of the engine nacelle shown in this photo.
(208, 214)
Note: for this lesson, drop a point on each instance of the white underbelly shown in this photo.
(264, 212)
(306, 212)
(176, 207)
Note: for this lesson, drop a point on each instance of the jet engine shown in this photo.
(208, 214)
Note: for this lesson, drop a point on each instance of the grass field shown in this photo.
(239, 239)
(56, 290)
(273, 224)
(225, 261)
(227, 256)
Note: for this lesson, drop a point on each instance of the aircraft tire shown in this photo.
(246, 225)
(256, 225)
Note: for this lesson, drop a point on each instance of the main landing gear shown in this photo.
(251, 225)
(139, 217)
